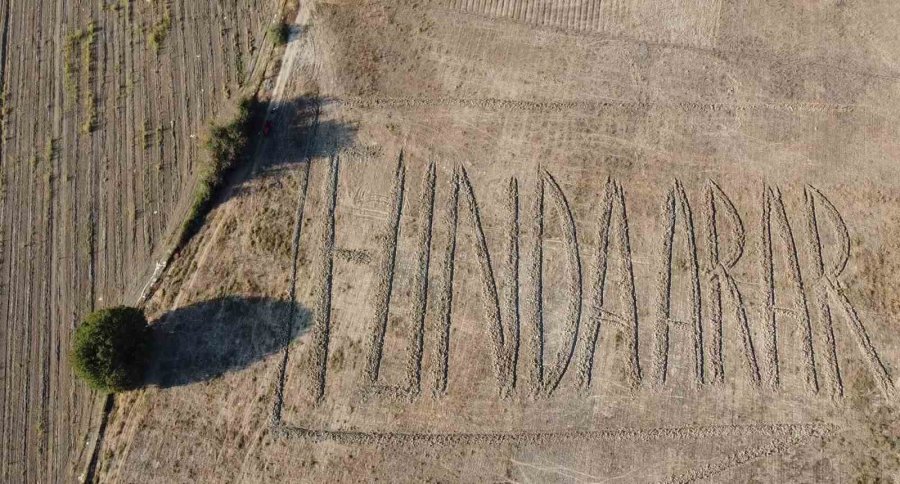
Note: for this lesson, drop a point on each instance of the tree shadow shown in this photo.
(299, 130)
(205, 340)
(291, 133)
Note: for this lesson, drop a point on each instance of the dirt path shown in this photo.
(277, 100)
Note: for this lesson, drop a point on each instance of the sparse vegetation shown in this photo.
(50, 150)
(118, 7)
(111, 348)
(4, 123)
(85, 41)
(88, 49)
(280, 33)
(71, 70)
(87, 61)
(226, 145)
(238, 68)
(5, 111)
(145, 135)
(160, 30)
(160, 131)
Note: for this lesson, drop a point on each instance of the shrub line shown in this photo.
(227, 145)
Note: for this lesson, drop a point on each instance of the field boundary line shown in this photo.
(781, 430)
(506, 104)
(785, 436)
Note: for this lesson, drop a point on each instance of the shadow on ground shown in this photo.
(302, 130)
(296, 131)
(208, 339)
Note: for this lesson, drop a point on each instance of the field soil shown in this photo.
(104, 105)
(545, 241)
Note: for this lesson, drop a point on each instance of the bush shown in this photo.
(226, 145)
(280, 33)
(111, 349)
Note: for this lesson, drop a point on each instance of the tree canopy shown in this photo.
(111, 348)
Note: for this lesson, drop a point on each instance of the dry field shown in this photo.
(537, 241)
(103, 104)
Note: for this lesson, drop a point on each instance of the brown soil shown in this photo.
(104, 107)
(546, 241)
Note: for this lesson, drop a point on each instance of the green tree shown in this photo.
(111, 349)
(280, 33)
